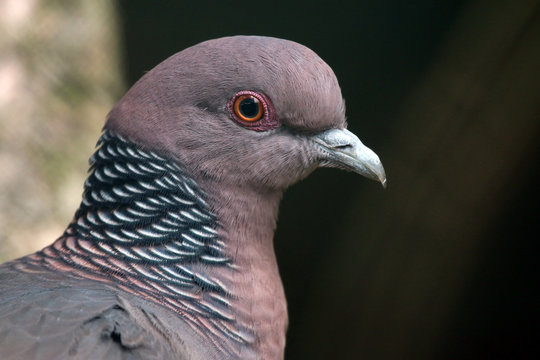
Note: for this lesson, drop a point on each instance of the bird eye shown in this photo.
(248, 108)
(253, 110)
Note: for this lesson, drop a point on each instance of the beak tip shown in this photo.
(343, 149)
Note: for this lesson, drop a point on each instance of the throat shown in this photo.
(248, 218)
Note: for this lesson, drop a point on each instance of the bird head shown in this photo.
(247, 111)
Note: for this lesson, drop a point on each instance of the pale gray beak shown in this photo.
(342, 149)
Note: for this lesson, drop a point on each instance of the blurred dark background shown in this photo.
(444, 263)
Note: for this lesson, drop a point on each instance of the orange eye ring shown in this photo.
(248, 108)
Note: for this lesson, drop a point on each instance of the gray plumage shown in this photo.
(170, 255)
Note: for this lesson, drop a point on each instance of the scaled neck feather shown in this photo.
(144, 226)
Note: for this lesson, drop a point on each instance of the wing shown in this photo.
(50, 318)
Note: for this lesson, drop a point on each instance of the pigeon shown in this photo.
(170, 254)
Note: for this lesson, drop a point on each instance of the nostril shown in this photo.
(343, 147)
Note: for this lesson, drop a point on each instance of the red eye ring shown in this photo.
(253, 110)
(248, 107)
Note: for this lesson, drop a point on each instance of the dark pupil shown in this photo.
(249, 107)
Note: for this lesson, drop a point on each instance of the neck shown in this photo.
(147, 228)
(249, 220)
